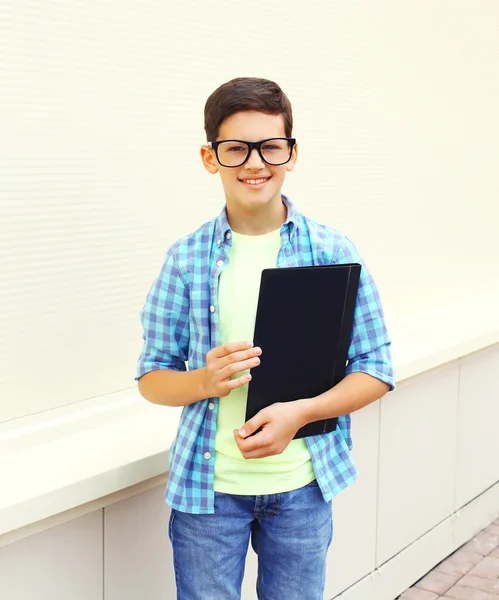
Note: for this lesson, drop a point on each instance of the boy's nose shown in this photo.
(255, 160)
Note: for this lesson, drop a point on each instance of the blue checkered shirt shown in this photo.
(180, 322)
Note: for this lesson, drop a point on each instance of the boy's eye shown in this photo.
(237, 149)
(273, 146)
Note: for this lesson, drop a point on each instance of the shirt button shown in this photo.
(211, 406)
(219, 242)
(227, 236)
(220, 263)
(212, 309)
(207, 455)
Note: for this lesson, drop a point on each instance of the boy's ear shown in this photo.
(209, 159)
(294, 156)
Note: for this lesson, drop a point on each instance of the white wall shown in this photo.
(60, 563)
(406, 512)
(101, 122)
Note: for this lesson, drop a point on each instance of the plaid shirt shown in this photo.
(180, 322)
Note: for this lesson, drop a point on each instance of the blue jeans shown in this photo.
(290, 532)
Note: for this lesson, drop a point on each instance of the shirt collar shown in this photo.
(224, 232)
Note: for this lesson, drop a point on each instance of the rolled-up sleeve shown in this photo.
(370, 345)
(165, 322)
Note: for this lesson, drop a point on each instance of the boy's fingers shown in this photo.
(239, 356)
(238, 367)
(253, 425)
(258, 442)
(250, 427)
(231, 347)
(232, 384)
(258, 453)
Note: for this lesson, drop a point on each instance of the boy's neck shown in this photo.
(257, 222)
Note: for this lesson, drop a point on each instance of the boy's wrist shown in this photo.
(202, 391)
(314, 409)
(304, 411)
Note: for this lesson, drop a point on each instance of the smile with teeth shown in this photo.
(255, 181)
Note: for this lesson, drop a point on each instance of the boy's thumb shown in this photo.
(251, 426)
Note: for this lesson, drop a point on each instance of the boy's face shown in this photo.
(250, 126)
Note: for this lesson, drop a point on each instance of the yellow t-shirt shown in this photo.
(239, 285)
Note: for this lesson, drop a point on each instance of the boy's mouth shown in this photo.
(255, 182)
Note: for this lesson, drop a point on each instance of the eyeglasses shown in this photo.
(234, 153)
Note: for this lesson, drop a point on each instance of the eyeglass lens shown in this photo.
(234, 154)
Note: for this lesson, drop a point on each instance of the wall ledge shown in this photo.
(67, 458)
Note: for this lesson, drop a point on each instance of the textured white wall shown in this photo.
(101, 121)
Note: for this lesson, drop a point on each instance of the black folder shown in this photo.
(303, 325)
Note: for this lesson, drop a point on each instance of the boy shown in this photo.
(227, 487)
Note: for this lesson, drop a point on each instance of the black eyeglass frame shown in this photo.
(255, 146)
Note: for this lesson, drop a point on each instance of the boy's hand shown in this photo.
(223, 362)
(279, 422)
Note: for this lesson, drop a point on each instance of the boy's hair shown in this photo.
(245, 93)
